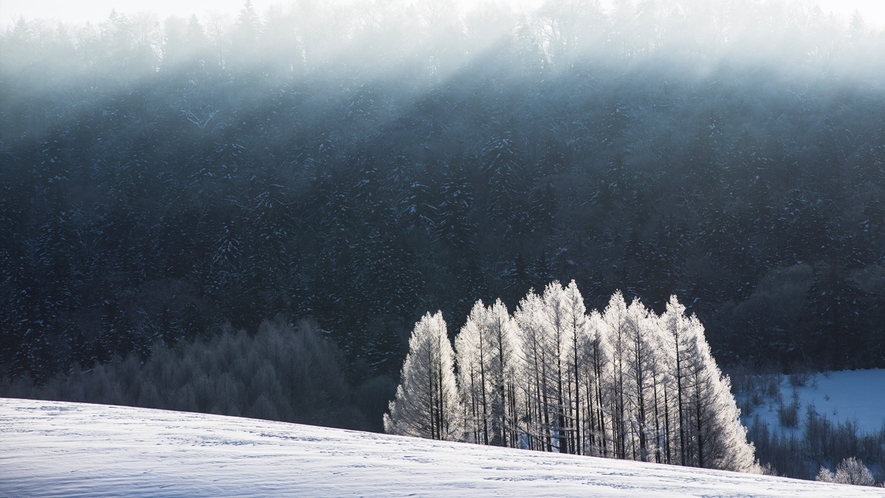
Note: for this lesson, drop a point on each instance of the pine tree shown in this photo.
(426, 403)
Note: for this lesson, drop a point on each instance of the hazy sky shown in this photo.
(98, 10)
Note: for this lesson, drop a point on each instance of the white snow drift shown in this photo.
(55, 448)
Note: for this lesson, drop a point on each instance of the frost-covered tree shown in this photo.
(660, 370)
(505, 413)
(640, 350)
(615, 320)
(713, 434)
(596, 377)
(555, 319)
(472, 350)
(676, 331)
(849, 471)
(625, 383)
(556, 347)
(486, 367)
(532, 336)
(575, 326)
(427, 403)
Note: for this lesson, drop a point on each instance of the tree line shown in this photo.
(283, 371)
(623, 383)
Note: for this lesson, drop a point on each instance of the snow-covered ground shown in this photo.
(856, 395)
(52, 448)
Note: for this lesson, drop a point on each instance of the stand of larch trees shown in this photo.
(622, 383)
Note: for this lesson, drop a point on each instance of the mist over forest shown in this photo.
(168, 180)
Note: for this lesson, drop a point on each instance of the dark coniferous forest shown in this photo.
(165, 180)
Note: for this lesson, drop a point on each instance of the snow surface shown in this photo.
(855, 395)
(50, 448)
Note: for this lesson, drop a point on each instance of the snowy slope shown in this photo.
(851, 395)
(54, 448)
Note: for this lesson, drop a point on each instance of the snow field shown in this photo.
(851, 395)
(54, 448)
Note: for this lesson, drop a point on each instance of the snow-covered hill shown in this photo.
(70, 449)
(851, 395)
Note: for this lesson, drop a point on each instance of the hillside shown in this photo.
(856, 396)
(161, 180)
(70, 449)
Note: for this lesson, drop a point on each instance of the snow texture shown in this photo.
(72, 449)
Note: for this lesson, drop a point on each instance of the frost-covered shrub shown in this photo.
(849, 471)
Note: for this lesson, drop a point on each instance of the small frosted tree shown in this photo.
(427, 403)
(849, 471)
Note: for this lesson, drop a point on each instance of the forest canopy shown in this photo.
(361, 164)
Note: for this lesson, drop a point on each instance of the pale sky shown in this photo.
(98, 10)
